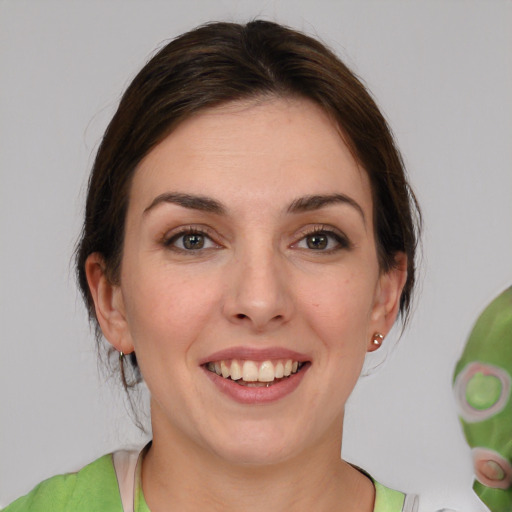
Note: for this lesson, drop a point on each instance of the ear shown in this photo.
(387, 299)
(108, 304)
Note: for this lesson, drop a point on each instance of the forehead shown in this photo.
(274, 150)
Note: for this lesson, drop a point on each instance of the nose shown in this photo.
(258, 294)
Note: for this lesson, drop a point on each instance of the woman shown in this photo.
(249, 235)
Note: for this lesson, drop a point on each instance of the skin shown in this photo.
(256, 284)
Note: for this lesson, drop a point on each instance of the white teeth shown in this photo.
(253, 371)
(236, 371)
(266, 373)
(250, 371)
(224, 369)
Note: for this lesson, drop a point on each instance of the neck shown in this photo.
(177, 474)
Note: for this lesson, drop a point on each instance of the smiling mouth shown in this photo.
(255, 373)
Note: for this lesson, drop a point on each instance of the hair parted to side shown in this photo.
(224, 62)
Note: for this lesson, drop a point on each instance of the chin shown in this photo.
(257, 445)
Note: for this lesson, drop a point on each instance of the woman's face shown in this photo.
(250, 251)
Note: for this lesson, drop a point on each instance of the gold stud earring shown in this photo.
(377, 340)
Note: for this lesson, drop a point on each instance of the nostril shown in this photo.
(241, 316)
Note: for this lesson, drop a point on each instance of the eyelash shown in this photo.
(342, 242)
(170, 241)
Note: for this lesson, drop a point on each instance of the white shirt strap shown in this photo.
(125, 463)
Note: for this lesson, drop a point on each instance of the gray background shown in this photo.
(442, 73)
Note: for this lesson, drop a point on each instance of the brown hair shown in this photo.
(223, 62)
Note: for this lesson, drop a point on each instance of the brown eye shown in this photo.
(323, 241)
(317, 241)
(193, 241)
(190, 241)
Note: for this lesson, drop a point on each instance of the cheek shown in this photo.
(339, 306)
(167, 310)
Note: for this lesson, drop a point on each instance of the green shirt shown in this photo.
(95, 487)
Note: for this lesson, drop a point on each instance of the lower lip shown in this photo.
(260, 394)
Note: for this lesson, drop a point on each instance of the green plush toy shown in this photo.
(482, 386)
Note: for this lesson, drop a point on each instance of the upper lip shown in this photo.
(255, 354)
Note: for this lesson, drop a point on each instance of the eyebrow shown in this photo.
(315, 202)
(299, 205)
(192, 202)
